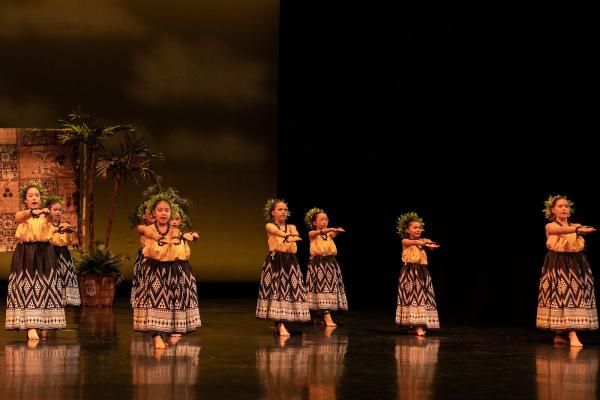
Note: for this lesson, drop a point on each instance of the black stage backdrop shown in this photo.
(469, 116)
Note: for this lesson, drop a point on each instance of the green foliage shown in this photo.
(99, 260)
(35, 184)
(404, 220)
(310, 214)
(548, 204)
(268, 206)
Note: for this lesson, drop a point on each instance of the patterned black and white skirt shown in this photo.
(566, 299)
(324, 285)
(166, 299)
(282, 295)
(416, 299)
(67, 274)
(35, 290)
(137, 264)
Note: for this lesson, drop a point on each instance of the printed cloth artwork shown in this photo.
(34, 154)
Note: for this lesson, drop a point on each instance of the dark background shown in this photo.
(470, 116)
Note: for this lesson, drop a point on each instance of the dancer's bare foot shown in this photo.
(420, 331)
(328, 321)
(174, 338)
(158, 342)
(32, 344)
(574, 340)
(281, 330)
(559, 339)
(328, 330)
(32, 335)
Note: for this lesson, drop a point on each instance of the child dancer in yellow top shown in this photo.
(324, 286)
(282, 295)
(566, 299)
(61, 239)
(166, 300)
(416, 299)
(35, 293)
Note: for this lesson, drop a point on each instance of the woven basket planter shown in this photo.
(97, 290)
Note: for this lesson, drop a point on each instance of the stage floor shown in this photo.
(235, 356)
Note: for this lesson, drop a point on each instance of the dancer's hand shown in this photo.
(585, 229)
(191, 236)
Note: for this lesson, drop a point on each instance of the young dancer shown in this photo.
(416, 300)
(566, 299)
(282, 295)
(33, 267)
(324, 285)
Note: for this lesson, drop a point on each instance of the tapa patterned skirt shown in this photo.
(35, 290)
(282, 295)
(137, 264)
(416, 299)
(67, 274)
(566, 299)
(324, 285)
(166, 299)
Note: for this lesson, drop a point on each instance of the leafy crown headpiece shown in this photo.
(268, 208)
(308, 218)
(552, 199)
(404, 220)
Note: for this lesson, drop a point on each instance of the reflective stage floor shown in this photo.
(235, 356)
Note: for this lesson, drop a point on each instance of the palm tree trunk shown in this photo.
(90, 191)
(111, 212)
(83, 197)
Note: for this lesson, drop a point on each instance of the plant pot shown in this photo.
(97, 290)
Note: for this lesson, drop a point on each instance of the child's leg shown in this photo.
(574, 340)
(327, 318)
(281, 329)
(158, 341)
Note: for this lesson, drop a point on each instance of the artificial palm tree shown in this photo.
(132, 160)
(83, 129)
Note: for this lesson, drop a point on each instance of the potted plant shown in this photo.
(99, 271)
(98, 268)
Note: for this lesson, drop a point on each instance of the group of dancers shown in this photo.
(164, 296)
